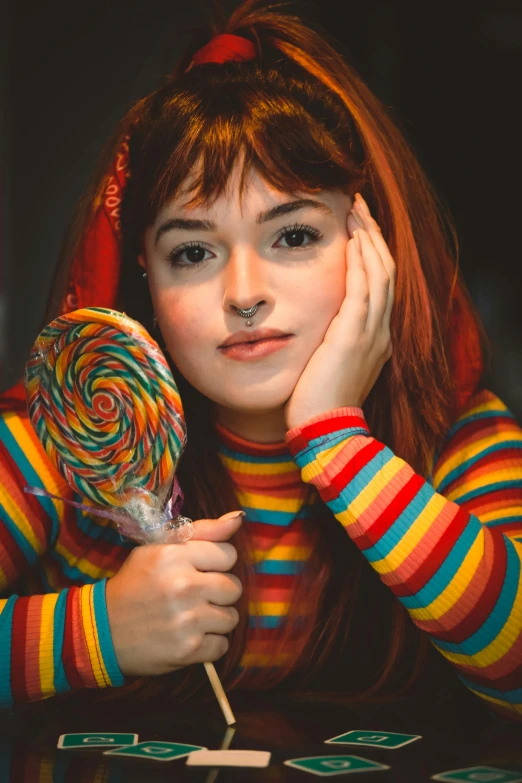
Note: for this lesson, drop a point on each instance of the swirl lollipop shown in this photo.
(102, 399)
(104, 404)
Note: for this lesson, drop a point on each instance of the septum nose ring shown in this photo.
(247, 313)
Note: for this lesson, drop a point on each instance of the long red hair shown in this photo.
(306, 122)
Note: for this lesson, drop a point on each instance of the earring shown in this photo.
(144, 274)
(154, 321)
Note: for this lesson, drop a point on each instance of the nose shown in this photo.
(245, 282)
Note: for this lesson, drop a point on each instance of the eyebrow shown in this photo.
(191, 224)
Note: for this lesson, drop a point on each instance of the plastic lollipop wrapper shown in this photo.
(105, 406)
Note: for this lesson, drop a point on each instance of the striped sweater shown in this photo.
(449, 548)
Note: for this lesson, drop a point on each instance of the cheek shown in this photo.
(181, 322)
(324, 295)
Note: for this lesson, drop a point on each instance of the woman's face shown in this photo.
(298, 282)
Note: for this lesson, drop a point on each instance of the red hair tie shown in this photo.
(223, 47)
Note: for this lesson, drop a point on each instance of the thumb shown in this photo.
(219, 529)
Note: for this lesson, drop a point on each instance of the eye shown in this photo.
(299, 230)
(195, 250)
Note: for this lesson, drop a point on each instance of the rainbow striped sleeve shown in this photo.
(55, 642)
(451, 552)
(28, 524)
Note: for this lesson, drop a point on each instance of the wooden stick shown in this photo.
(220, 693)
(227, 739)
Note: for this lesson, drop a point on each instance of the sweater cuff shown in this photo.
(325, 429)
(98, 634)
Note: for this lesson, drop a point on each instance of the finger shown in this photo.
(372, 227)
(221, 589)
(386, 319)
(216, 529)
(213, 647)
(218, 619)
(210, 555)
(378, 283)
(355, 304)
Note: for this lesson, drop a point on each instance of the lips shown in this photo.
(256, 349)
(253, 335)
(261, 340)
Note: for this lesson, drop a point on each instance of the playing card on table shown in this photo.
(95, 740)
(327, 766)
(159, 751)
(375, 739)
(479, 775)
(229, 758)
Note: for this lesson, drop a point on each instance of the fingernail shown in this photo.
(357, 238)
(352, 224)
(362, 203)
(234, 514)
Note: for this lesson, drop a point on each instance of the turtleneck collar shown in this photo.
(254, 465)
(250, 447)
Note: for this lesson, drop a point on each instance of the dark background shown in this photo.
(449, 72)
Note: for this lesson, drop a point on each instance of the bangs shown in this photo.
(293, 133)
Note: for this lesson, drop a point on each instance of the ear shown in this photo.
(141, 261)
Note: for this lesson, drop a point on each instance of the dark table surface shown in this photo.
(451, 739)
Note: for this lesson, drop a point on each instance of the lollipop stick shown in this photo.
(220, 693)
(227, 739)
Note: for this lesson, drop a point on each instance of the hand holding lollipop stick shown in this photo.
(105, 406)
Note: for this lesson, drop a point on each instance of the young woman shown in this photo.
(264, 192)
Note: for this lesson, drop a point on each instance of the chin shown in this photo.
(245, 405)
(251, 393)
(256, 401)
